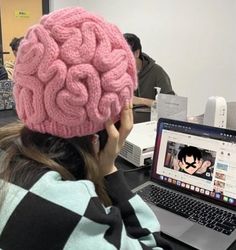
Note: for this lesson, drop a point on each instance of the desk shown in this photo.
(137, 178)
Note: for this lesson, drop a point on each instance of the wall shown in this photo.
(58, 4)
(193, 40)
(13, 26)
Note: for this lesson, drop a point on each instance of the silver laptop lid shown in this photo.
(196, 159)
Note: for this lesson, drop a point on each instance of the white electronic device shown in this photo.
(139, 144)
(216, 112)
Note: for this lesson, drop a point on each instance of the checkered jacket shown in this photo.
(55, 214)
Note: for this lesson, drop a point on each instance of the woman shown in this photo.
(74, 80)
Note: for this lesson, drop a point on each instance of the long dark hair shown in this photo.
(25, 154)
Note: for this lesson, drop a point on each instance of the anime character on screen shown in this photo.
(196, 162)
(190, 159)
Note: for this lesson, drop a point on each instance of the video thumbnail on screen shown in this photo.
(190, 160)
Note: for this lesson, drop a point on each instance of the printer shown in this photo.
(139, 144)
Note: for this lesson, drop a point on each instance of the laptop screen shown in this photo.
(196, 158)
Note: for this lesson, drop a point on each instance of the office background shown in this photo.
(193, 40)
(16, 17)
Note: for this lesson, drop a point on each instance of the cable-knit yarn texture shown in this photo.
(73, 72)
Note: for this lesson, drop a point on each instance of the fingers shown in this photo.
(115, 141)
(126, 122)
(111, 129)
(115, 137)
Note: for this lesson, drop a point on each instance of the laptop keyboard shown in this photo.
(194, 210)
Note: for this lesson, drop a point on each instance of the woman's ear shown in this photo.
(96, 143)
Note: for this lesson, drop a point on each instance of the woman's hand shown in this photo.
(116, 140)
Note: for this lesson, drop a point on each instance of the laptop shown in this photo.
(192, 189)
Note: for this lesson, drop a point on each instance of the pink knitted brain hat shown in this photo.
(73, 72)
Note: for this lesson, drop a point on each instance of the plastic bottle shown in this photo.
(154, 109)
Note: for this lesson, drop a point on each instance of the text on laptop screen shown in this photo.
(198, 158)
